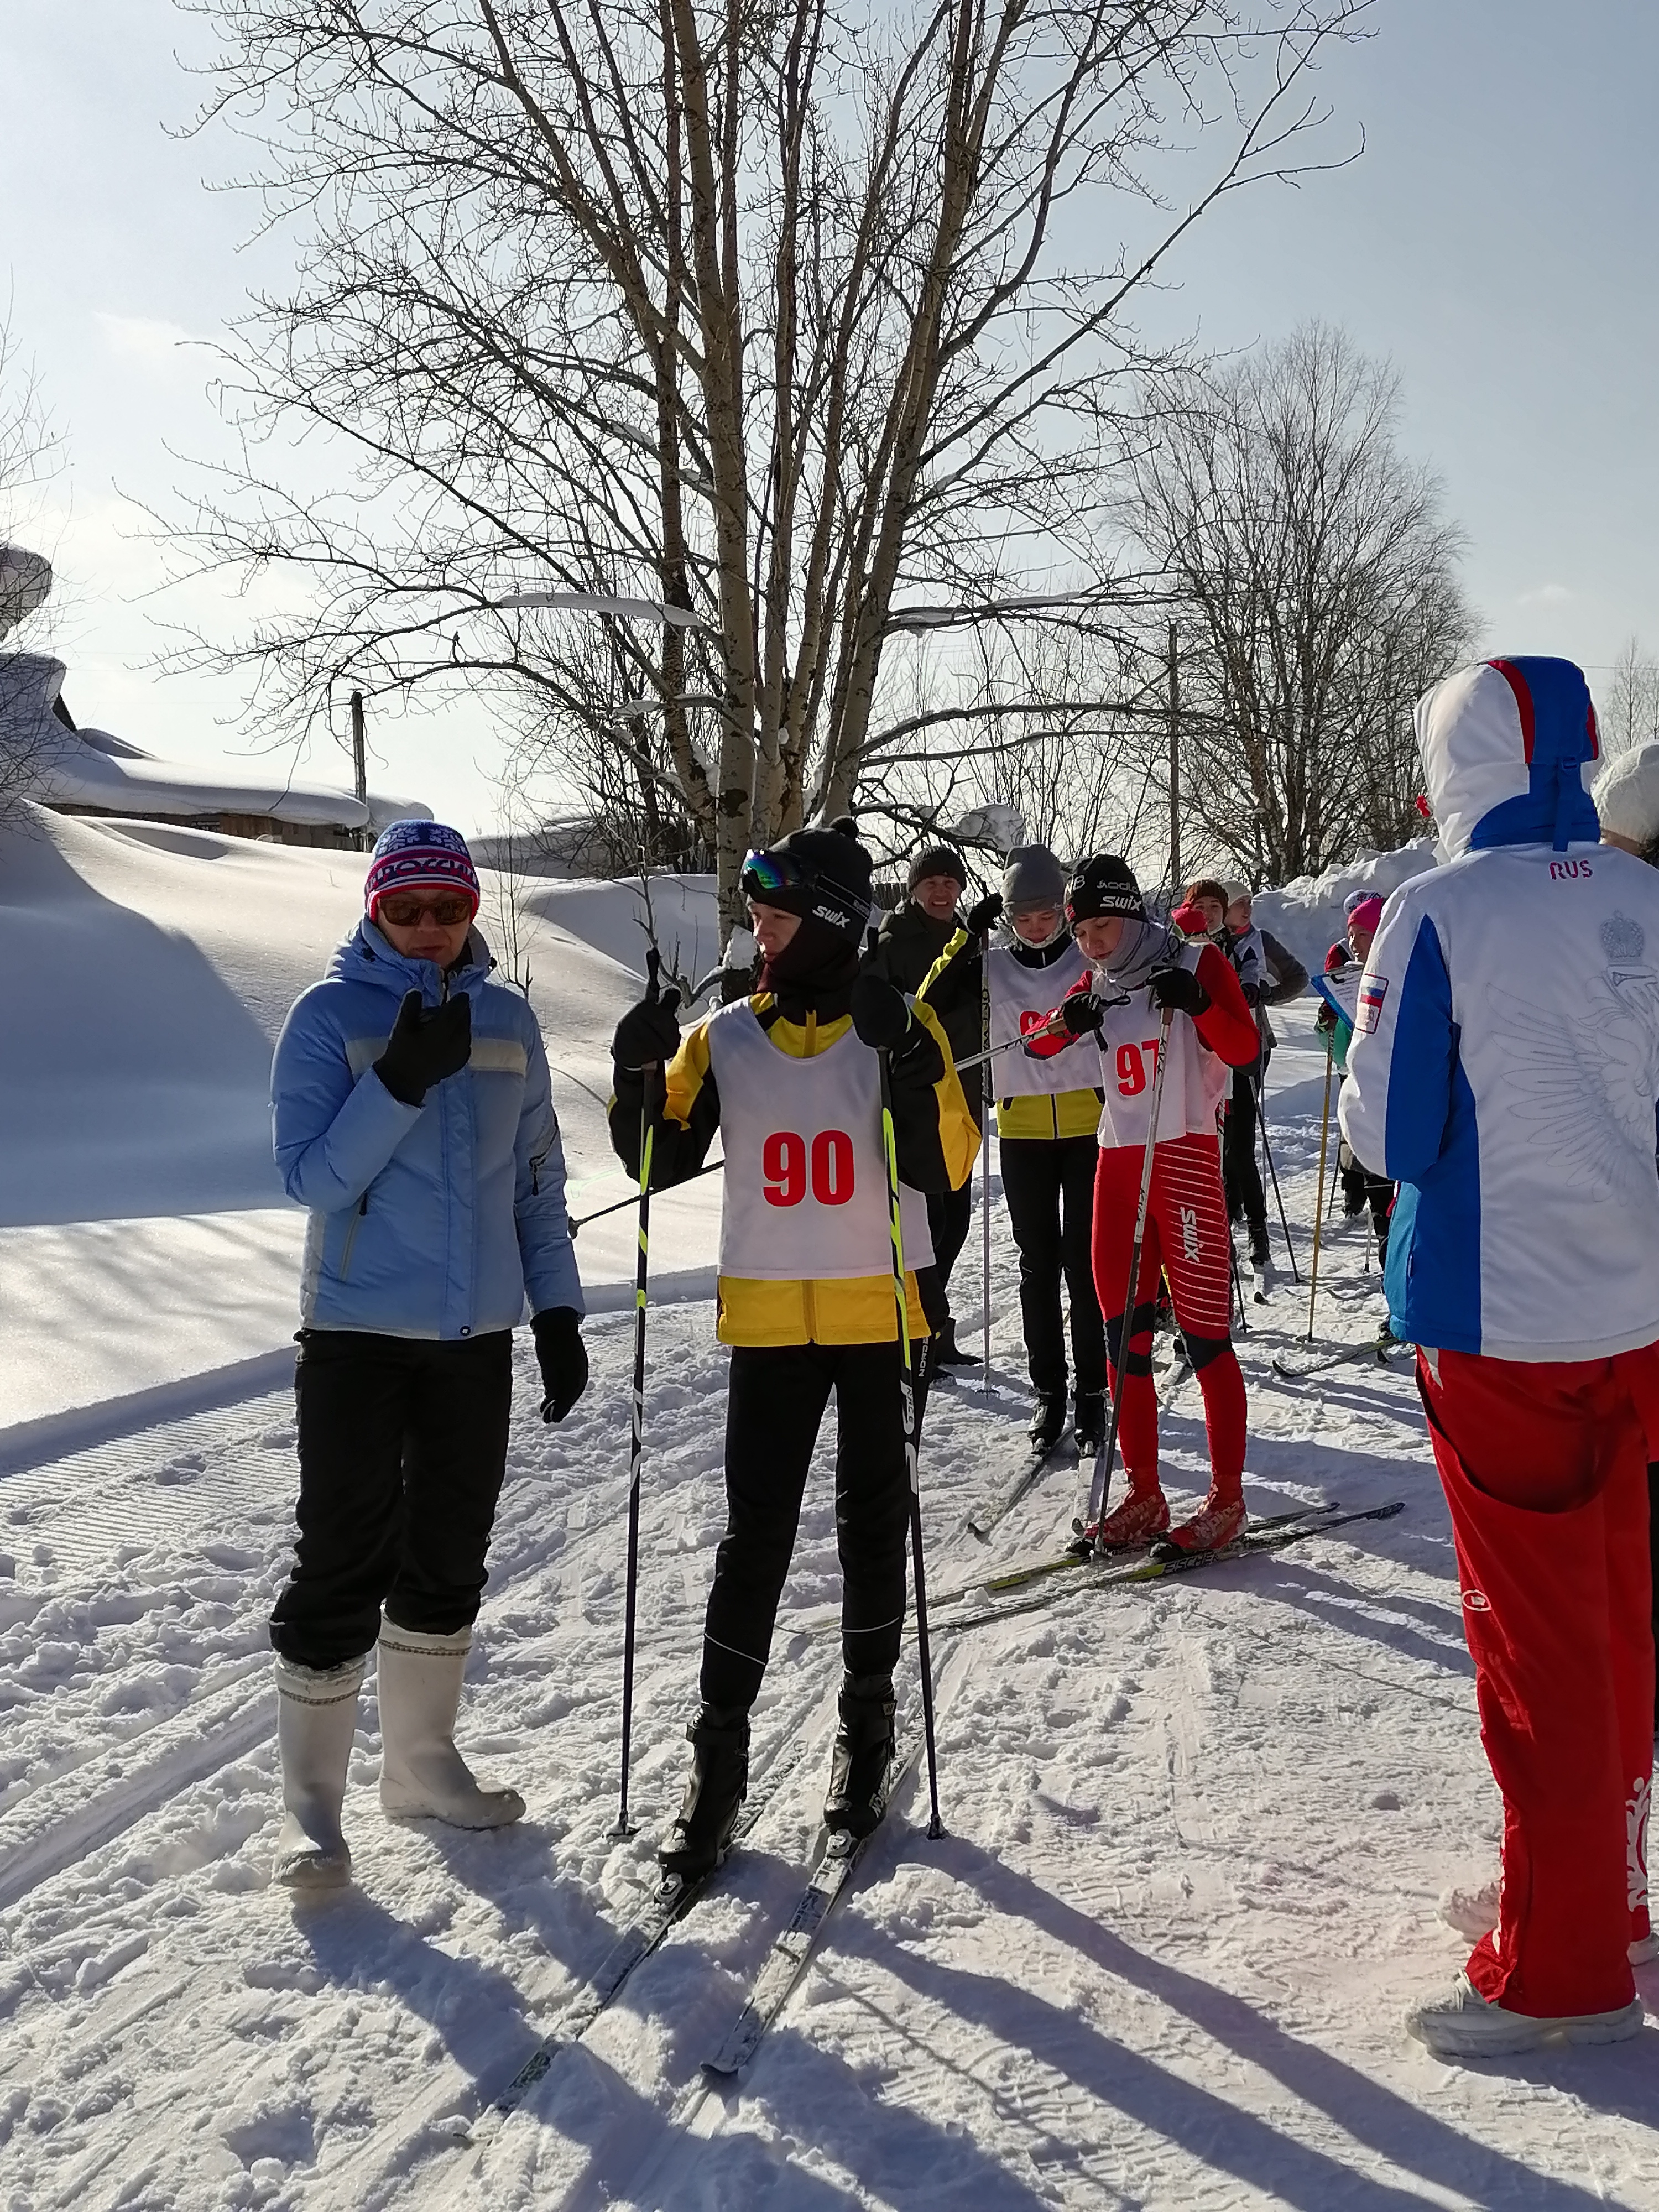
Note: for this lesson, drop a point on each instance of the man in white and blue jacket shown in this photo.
(414, 1117)
(1504, 1067)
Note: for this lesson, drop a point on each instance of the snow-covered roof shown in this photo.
(108, 774)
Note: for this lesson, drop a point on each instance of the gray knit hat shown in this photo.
(1032, 877)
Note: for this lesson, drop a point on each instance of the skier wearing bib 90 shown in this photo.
(1140, 967)
(790, 1079)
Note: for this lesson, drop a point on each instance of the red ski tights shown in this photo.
(1187, 1240)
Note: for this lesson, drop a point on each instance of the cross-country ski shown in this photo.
(829, 1213)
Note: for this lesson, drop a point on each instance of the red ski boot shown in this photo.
(1141, 1517)
(1218, 1522)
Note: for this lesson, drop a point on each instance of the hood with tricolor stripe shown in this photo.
(1510, 748)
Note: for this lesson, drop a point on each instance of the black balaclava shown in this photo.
(815, 971)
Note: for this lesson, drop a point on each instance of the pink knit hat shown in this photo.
(1366, 914)
(420, 856)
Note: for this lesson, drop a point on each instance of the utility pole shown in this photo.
(360, 770)
(1175, 770)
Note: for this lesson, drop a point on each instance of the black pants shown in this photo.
(1239, 1171)
(1049, 1185)
(950, 1217)
(774, 1403)
(1360, 1189)
(403, 1446)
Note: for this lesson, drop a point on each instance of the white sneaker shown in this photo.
(1464, 2024)
(422, 1775)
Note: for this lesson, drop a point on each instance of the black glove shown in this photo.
(562, 1358)
(648, 1032)
(425, 1046)
(1082, 1013)
(879, 1013)
(986, 916)
(1180, 988)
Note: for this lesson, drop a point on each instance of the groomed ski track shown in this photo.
(1197, 1835)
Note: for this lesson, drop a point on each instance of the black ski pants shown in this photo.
(1049, 1183)
(950, 1217)
(403, 1447)
(776, 1400)
(1239, 1171)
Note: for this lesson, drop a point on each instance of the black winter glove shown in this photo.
(1082, 1013)
(562, 1358)
(426, 1045)
(648, 1032)
(879, 1013)
(986, 916)
(1180, 988)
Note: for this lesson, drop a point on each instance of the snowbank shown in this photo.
(143, 1234)
(1306, 915)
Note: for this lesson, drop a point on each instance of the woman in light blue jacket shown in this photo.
(414, 1117)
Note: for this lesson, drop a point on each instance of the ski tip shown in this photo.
(721, 2071)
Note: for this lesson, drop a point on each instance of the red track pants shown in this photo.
(1545, 1469)
(1186, 1238)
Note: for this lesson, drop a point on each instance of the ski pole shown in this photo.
(1102, 1481)
(1273, 1173)
(986, 1104)
(909, 1415)
(1319, 1199)
(641, 1286)
(714, 1167)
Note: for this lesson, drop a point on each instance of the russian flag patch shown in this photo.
(1372, 992)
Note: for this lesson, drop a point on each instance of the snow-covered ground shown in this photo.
(1197, 1834)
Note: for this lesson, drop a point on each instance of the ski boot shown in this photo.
(714, 1791)
(1218, 1522)
(1137, 1519)
(947, 1353)
(1261, 1263)
(862, 1755)
(1048, 1421)
(1089, 1422)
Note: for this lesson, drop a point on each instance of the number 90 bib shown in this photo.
(805, 1175)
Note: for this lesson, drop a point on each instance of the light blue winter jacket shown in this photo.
(1504, 1066)
(436, 1220)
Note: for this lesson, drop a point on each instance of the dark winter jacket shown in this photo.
(907, 949)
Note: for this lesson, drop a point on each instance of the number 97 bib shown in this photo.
(806, 1175)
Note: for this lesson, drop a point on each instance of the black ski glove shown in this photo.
(426, 1045)
(562, 1358)
(1081, 1014)
(648, 1032)
(879, 1013)
(1180, 988)
(986, 916)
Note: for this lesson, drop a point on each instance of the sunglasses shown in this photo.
(403, 911)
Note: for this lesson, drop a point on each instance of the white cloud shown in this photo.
(141, 337)
(1546, 595)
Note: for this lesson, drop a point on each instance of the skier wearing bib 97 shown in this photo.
(789, 1078)
(1142, 966)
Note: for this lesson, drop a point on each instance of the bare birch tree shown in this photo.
(1628, 714)
(774, 315)
(1317, 577)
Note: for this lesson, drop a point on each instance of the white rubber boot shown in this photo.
(316, 1720)
(422, 1775)
(1465, 2024)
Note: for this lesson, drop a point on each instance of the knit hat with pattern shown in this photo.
(420, 856)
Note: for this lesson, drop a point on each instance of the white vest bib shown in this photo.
(805, 1172)
(1195, 1082)
(1020, 997)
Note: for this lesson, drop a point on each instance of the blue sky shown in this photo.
(1496, 240)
